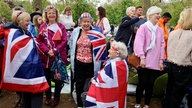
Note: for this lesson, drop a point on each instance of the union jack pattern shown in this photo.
(109, 88)
(22, 69)
(98, 41)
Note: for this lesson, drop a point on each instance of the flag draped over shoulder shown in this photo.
(98, 41)
(109, 88)
(22, 68)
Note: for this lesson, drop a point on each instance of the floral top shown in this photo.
(84, 53)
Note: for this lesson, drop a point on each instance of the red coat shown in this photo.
(46, 42)
(1, 47)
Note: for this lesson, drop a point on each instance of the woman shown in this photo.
(109, 86)
(83, 63)
(149, 47)
(37, 21)
(66, 19)
(125, 32)
(179, 58)
(52, 41)
(22, 69)
(102, 21)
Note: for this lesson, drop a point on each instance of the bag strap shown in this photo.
(128, 45)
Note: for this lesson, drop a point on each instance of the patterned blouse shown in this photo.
(84, 53)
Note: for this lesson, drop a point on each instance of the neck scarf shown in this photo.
(153, 29)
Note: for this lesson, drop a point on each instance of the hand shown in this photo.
(135, 29)
(94, 23)
(57, 76)
(50, 53)
(143, 63)
(73, 24)
(161, 66)
(141, 17)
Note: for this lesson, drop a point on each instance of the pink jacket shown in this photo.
(154, 56)
(56, 45)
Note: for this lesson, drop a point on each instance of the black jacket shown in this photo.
(126, 30)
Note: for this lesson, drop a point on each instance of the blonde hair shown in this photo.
(185, 20)
(18, 16)
(47, 9)
(68, 8)
(121, 48)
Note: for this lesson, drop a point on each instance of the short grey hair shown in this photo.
(153, 10)
(129, 9)
(121, 48)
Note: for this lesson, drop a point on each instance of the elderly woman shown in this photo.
(149, 47)
(125, 32)
(109, 86)
(52, 41)
(179, 57)
(83, 61)
(22, 69)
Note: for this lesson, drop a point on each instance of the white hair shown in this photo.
(129, 9)
(153, 10)
(121, 48)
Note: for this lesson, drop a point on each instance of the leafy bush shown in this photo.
(5, 10)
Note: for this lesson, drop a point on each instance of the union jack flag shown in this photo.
(22, 68)
(98, 41)
(109, 88)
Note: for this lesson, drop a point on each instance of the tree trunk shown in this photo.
(37, 4)
(146, 5)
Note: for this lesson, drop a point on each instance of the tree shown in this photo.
(5, 10)
(37, 4)
(81, 6)
(146, 5)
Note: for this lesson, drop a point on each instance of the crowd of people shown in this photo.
(30, 43)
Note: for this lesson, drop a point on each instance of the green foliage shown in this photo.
(116, 11)
(5, 10)
(174, 9)
(45, 3)
(160, 85)
(26, 5)
(82, 7)
(78, 7)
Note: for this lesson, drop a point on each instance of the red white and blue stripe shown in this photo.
(98, 41)
(22, 68)
(109, 88)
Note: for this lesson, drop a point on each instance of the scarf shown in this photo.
(153, 29)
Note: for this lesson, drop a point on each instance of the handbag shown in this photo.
(59, 70)
(134, 60)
